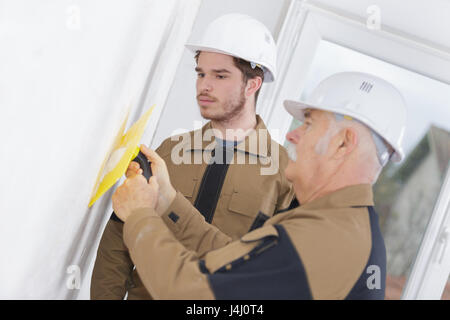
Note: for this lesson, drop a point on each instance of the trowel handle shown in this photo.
(144, 164)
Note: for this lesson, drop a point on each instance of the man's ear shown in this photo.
(253, 85)
(346, 143)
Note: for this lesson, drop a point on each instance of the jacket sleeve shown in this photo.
(113, 265)
(169, 270)
(190, 228)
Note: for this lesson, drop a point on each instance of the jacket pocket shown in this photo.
(250, 205)
(243, 204)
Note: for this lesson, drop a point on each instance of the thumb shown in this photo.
(151, 155)
(153, 182)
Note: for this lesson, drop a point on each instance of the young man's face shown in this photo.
(220, 87)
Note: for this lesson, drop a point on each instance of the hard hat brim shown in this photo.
(295, 109)
(268, 75)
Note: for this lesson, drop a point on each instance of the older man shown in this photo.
(330, 247)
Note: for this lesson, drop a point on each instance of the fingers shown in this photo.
(151, 155)
(133, 169)
(133, 165)
(159, 168)
(135, 179)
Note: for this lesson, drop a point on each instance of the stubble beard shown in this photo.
(231, 108)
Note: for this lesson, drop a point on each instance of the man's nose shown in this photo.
(292, 137)
(204, 85)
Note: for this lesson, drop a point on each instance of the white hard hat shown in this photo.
(364, 97)
(243, 37)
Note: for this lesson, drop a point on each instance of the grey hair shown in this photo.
(377, 152)
(384, 152)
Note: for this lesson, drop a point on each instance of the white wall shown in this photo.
(181, 109)
(68, 70)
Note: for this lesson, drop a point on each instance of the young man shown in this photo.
(230, 170)
(330, 247)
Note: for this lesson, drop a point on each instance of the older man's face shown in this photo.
(311, 141)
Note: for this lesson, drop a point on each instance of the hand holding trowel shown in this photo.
(124, 151)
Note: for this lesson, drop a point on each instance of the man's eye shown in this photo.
(220, 77)
(307, 123)
(200, 75)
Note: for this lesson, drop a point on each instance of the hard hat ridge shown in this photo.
(364, 97)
